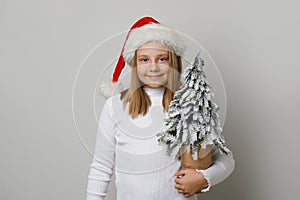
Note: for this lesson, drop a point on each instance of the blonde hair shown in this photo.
(138, 100)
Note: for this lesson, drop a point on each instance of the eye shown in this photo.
(163, 58)
(143, 60)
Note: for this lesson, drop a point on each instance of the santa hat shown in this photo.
(144, 30)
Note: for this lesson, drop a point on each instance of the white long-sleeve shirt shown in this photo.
(142, 168)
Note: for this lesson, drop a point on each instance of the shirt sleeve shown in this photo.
(222, 167)
(102, 165)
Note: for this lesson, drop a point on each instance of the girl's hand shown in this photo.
(189, 182)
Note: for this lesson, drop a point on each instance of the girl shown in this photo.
(126, 137)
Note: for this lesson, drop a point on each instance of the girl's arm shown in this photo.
(223, 166)
(189, 181)
(101, 168)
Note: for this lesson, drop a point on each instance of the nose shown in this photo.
(154, 67)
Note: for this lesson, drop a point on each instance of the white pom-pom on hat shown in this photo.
(144, 30)
(109, 88)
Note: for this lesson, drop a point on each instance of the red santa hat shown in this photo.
(144, 30)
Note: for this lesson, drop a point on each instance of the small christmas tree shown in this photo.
(193, 118)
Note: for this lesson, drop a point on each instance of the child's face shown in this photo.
(153, 64)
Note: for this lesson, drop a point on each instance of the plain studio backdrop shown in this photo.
(49, 89)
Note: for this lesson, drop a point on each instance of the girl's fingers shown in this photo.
(180, 173)
(186, 195)
(178, 180)
(178, 187)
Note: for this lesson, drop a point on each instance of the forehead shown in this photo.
(153, 47)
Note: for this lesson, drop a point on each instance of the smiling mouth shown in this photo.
(155, 76)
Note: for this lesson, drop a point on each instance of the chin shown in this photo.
(154, 85)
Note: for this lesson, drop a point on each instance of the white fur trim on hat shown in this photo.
(152, 32)
(108, 88)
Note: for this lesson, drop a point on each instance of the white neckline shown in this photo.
(154, 92)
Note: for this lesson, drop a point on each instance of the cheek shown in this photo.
(167, 74)
(141, 71)
(166, 70)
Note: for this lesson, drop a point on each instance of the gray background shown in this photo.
(43, 43)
